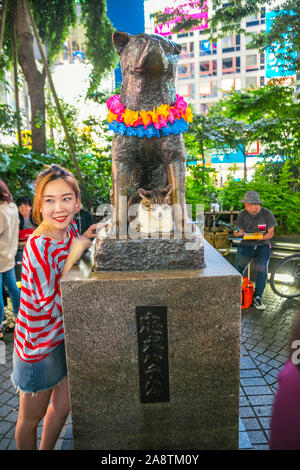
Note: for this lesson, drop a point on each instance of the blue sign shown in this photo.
(228, 156)
(208, 47)
(276, 66)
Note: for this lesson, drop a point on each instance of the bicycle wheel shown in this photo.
(285, 280)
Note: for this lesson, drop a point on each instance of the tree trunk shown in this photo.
(34, 78)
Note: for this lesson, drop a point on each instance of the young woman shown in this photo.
(39, 362)
(9, 236)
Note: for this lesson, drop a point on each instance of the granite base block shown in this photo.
(149, 253)
(101, 334)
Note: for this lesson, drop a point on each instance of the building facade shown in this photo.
(207, 71)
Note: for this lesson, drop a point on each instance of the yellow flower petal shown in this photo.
(188, 116)
(163, 110)
(111, 116)
(153, 115)
(130, 117)
(146, 117)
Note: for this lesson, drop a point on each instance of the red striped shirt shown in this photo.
(39, 326)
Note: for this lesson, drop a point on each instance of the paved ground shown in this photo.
(264, 350)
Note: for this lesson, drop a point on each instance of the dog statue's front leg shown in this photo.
(176, 177)
(121, 168)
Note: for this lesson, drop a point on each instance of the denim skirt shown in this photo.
(33, 377)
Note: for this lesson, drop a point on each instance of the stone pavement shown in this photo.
(264, 350)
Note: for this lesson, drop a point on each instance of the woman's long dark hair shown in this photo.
(5, 195)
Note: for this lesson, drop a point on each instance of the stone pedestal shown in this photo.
(153, 357)
(150, 253)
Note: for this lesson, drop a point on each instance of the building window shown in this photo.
(252, 20)
(231, 65)
(185, 71)
(262, 81)
(208, 68)
(204, 67)
(252, 62)
(227, 65)
(251, 82)
(187, 50)
(186, 90)
(227, 41)
(228, 85)
(208, 90)
(231, 43)
(251, 59)
(257, 18)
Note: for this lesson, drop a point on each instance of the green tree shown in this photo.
(53, 20)
(272, 114)
(219, 133)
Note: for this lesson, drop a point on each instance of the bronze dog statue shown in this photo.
(148, 67)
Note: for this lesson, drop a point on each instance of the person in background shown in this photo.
(9, 235)
(84, 220)
(253, 219)
(285, 421)
(25, 212)
(26, 227)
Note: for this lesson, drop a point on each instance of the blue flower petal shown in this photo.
(176, 128)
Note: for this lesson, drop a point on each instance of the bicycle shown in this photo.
(285, 279)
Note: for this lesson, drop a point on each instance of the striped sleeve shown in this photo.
(41, 274)
(39, 323)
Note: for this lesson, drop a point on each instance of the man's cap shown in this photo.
(252, 197)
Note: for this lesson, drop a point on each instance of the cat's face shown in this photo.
(157, 201)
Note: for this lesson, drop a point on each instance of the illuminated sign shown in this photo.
(187, 11)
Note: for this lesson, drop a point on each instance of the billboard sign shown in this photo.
(187, 11)
(275, 65)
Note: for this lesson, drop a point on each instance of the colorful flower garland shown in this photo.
(160, 122)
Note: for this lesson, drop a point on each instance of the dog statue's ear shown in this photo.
(120, 39)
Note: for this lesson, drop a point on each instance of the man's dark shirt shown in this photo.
(249, 224)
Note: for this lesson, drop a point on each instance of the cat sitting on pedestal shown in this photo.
(154, 212)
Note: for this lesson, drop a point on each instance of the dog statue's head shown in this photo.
(146, 59)
(145, 53)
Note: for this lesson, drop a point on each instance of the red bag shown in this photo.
(24, 234)
(247, 293)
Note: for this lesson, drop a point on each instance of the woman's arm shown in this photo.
(80, 245)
